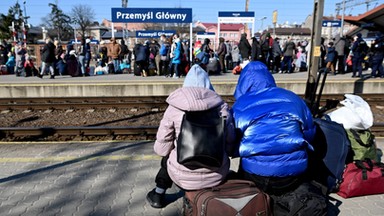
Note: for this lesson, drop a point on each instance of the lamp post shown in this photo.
(262, 22)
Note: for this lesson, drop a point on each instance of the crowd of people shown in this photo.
(169, 57)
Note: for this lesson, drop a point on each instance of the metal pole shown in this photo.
(342, 20)
(190, 43)
(318, 11)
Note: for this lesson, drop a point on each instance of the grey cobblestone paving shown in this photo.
(98, 179)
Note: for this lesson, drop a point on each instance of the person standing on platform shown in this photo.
(20, 53)
(289, 52)
(48, 58)
(359, 51)
(176, 55)
(81, 50)
(277, 53)
(221, 52)
(235, 55)
(244, 47)
(59, 54)
(164, 55)
(114, 51)
(377, 49)
(228, 56)
(330, 58)
(340, 48)
(88, 55)
(257, 52)
(11, 63)
(3, 55)
(103, 53)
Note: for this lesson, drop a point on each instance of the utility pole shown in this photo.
(246, 10)
(124, 4)
(310, 91)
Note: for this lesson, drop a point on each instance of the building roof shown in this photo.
(372, 20)
(290, 31)
(224, 26)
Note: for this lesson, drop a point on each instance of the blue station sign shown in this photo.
(331, 23)
(153, 15)
(154, 34)
(205, 33)
(236, 14)
(236, 17)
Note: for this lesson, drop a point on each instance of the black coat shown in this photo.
(48, 53)
(245, 48)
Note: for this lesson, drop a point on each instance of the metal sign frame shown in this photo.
(235, 17)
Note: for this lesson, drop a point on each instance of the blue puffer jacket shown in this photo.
(177, 55)
(276, 125)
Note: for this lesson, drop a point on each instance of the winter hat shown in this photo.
(359, 35)
(197, 77)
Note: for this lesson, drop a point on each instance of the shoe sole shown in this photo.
(152, 204)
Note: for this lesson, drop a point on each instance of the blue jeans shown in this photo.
(82, 64)
(116, 65)
(175, 69)
(357, 65)
(286, 60)
(44, 66)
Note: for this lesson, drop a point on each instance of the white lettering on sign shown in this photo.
(141, 16)
(166, 15)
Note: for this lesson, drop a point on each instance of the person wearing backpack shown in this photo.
(197, 94)
(359, 50)
(164, 52)
(275, 130)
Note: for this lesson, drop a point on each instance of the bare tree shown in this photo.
(57, 21)
(83, 16)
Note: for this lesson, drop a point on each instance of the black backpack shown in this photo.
(362, 48)
(201, 141)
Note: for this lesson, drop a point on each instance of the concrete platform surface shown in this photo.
(130, 85)
(105, 178)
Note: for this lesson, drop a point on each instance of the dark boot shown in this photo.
(52, 77)
(156, 200)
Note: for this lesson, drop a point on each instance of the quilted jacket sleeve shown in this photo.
(166, 134)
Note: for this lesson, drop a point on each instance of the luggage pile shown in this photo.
(364, 173)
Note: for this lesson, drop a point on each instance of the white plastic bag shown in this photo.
(356, 113)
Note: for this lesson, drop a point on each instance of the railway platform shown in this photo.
(115, 85)
(106, 178)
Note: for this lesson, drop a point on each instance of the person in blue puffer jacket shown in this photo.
(276, 129)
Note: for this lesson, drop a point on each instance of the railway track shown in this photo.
(150, 102)
(154, 103)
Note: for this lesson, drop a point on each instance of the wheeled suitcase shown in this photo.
(234, 197)
(331, 153)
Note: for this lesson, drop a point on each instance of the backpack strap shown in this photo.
(357, 138)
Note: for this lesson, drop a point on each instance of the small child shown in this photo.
(330, 58)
